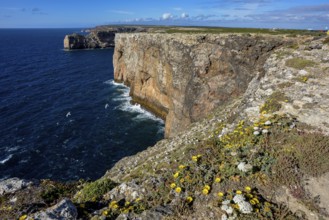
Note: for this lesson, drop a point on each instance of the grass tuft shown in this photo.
(299, 63)
(273, 102)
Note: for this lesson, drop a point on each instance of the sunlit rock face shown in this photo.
(183, 77)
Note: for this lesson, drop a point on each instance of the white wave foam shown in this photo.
(147, 115)
(12, 149)
(126, 105)
(113, 83)
(142, 113)
(6, 159)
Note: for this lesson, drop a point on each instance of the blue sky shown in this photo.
(299, 14)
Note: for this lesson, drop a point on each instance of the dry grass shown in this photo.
(299, 63)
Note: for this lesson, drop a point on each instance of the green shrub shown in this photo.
(95, 190)
(272, 104)
(326, 41)
(53, 191)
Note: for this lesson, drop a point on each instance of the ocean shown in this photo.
(62, 116)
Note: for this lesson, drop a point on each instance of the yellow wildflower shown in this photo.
(181, 167)
(238, 192)
(173, 185)
(127, 203)
(218, 179)
(195, 158)
(252, 202)
(256, 200)
(205, 191)
(176, 174)
(125, 211)
(267, 209)
(220, 194)
(178, 190)
(235, 206)
(182, 180)
(112, 204)
(247, 188)
(267, 204)
(23, 217)
(115, 206)
(207, 187)
(249, 196)
(138, 199)
(189, 199)
(105, 213)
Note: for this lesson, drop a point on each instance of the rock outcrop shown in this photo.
(101, 37)
(64, 210)
(12, 185)
(183, 77)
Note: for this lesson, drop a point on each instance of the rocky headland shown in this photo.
(247, 123)
(99, 37)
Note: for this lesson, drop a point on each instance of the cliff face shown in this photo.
(101, 37)
(184, 77)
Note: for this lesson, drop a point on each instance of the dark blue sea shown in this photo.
(61, 115)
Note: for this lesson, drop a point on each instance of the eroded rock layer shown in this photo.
(184, 77)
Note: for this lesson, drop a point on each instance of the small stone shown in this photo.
(233, 153)
(256, 128)
(265, 131)
(302, 72)
(242, 166)
(268, 123)
(224, 217)
(256, 133)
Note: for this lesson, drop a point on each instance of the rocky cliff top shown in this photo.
(99, 37)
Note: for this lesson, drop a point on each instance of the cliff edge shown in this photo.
(184, 77)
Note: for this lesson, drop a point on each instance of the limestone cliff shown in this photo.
(183, 77)
(99, 37)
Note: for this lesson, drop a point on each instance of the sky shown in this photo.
(295, 14)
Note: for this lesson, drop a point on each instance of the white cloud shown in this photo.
(184, 15)
(167, 16)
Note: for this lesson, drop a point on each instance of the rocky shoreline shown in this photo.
(248, 127)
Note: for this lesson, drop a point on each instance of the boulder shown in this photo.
(64, 210)
(12, 185)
